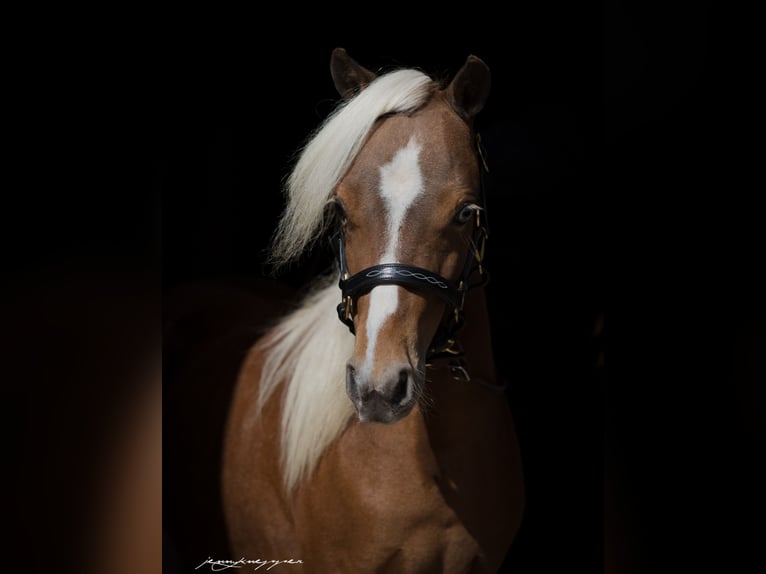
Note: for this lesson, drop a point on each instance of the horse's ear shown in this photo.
(349, 77)
(469, 89)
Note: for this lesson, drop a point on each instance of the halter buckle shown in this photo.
(458, 371)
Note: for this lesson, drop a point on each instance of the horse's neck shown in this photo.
(468, 428)
(452, 393)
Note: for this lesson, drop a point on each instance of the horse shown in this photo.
(368, 430)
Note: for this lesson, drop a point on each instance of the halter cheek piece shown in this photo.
(422, 280)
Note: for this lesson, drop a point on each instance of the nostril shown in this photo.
(351, 387)
(402, 386)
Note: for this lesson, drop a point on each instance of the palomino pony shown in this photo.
(380, 442)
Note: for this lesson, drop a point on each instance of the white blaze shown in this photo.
(401, 182)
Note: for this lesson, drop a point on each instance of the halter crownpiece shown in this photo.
(444, 343)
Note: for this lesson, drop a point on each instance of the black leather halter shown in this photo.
(423, 280)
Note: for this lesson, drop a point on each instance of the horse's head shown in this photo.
(410, 205)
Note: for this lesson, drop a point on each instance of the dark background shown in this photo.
(254, 105)
(612, 136)
(623, 144)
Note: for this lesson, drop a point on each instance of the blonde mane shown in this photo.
(309, 348)
(329, 153)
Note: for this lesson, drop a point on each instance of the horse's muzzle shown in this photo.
(384, 401)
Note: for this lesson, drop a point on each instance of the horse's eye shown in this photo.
(340, 212)
(465, 214)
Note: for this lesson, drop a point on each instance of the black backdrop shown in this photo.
(620, 139)
(610, 199)
(255, 103)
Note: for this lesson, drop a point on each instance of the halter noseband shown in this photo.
(422, 280)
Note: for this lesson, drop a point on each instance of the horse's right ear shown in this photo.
(348, 75)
